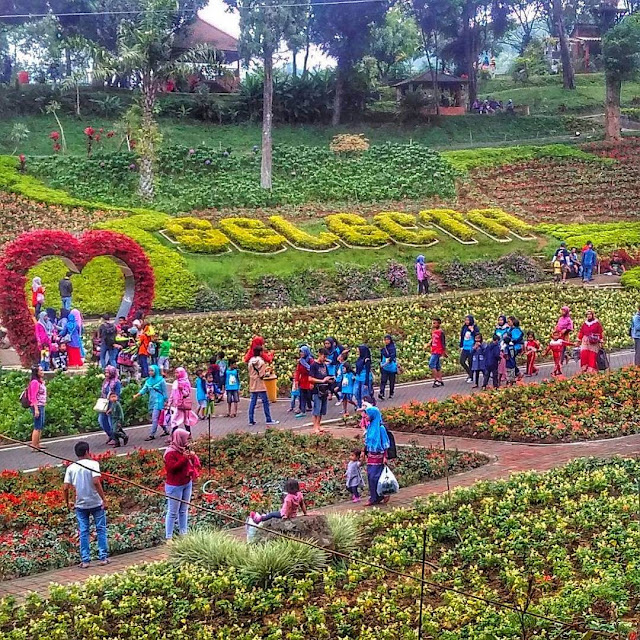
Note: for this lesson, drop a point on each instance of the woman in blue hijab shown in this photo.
(388, 367)
(376, 444)
(363, 374)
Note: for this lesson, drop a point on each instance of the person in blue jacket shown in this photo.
(468, 335)
(388, 367)
(362, 387)
(501, 327)
(491, 362)
(589, 258)
(346, 380)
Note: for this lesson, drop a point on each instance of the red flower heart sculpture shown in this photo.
(30, 248)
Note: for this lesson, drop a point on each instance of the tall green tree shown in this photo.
(262, 28)
(146, 52)
(394, 41)
(343, 32)
(621, 58)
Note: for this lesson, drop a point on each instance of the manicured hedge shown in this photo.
(402, 228)
(605, 235)
(449, 220)
(252, 235)
(300, 238)
(354, 230)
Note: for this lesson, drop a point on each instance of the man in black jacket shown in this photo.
(65, 286)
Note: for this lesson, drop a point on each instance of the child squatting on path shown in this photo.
(293, 501)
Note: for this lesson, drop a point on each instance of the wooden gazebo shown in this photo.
(452, 88)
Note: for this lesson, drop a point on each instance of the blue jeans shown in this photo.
(262, 395)
(155, 415)
(66, 303)
(100, 520)
(108, 355)
(38, 423)
(587, 272)
(105, 424)
(143, 361)
(271, 516)
(362, 390)
(374, 471)
(177, 511)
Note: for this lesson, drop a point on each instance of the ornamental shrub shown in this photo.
(354, 230)
(300, 238)
(402, 228)
(250, 234)
(450, 221)
(492, 227)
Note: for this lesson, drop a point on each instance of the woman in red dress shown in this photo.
(590, 339)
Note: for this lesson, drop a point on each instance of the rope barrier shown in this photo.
(338, 554)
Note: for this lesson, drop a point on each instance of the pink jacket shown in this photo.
(41, 336)
(565, 323)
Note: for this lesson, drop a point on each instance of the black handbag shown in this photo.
(602, 360)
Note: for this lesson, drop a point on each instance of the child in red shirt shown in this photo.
(438, 351)
(531, 347)
(557, 346)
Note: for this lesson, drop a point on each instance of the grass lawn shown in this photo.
(460, 130)
(546, 96)
(237, 267)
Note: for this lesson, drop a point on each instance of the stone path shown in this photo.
(505, 458)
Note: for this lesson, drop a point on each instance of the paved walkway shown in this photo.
(505, 458)
(21, 457)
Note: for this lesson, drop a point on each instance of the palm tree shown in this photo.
(147, 54)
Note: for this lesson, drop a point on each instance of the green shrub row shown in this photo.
(605, 236)
(450, 221)
(355, 230)
(300, 238)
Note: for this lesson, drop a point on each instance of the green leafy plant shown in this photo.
(206, 548)
(346, 530)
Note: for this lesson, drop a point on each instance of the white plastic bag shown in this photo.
(387, 484)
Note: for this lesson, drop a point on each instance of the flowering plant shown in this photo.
(29, 248)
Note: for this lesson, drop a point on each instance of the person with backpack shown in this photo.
(107, 333)
(181, 403)
(388, 367)
(35, 398)
(322, 383)
(156, 388)
(257, 388)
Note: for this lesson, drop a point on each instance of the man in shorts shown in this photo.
(321, 380)
(438, 351)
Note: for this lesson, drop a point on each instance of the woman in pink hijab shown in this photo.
(564, 326)
(182, 467)
(181, 403)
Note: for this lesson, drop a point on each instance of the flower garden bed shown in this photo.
(557, 189)
(38, 533)
(566, 542)
(196, 339)
(585, 407)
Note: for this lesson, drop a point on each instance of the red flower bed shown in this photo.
(28, 249)
(569, 190)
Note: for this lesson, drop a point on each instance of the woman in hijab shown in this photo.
(156, 388)
(468, 335)
(422, 275)
(376, 444)
(37, 295)
(388, 367)
(181, 402)
(565, 326)
(301, 379)
(182, 467)
(61, 324)
(590, 339)
(501, 326)
(43, 331)
(73, 330)
(110, 385)
(363, 374)
(258, 341)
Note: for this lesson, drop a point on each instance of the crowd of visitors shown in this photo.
(497, 360)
